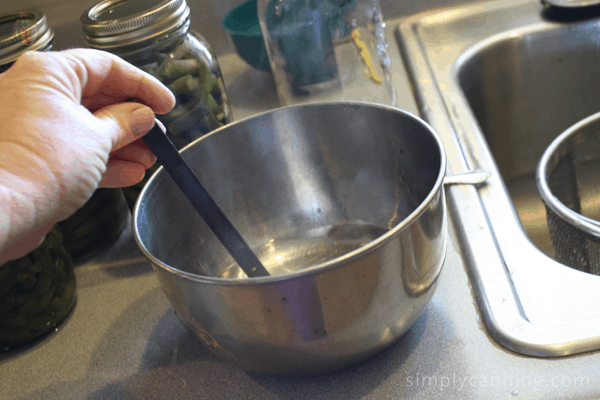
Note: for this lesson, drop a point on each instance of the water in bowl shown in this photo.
(312, 247)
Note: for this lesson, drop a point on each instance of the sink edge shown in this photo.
(499, 297)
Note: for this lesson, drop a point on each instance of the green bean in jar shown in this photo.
(195, 79)
(37, 292)
(96, 225)
(174, 54)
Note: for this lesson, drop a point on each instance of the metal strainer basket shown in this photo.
(568, 179)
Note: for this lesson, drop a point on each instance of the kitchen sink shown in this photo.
(499, 81)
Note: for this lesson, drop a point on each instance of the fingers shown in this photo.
(100, 82)
(121, 173)
(127, 165)
(137, 151)
(97, 78)
(125, 122)
(104, 74)
(87, 76)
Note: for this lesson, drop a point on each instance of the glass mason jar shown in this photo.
(155, 36)
(97, 224)
(323, 50)
(37, 292)
(22, 31)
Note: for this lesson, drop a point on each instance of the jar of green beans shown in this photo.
(96, 225)
(37, 292)
(155, 36)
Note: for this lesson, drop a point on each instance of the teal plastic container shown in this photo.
(243, 26)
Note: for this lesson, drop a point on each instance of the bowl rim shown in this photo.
(230, 18)
(561, 145)
(317, 268)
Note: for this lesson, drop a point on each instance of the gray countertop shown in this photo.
(123, 340)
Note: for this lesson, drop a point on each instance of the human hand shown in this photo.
(67, 130)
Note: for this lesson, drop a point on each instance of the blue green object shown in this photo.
(244, 28)
(303, 33)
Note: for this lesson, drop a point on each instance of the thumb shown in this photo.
(126, 122)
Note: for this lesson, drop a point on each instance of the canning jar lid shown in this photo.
(117, 23)
(21, 31)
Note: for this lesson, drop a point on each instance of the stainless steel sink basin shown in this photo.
(499, 81)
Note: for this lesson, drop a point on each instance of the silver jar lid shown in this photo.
(21, 31)
(117, 23)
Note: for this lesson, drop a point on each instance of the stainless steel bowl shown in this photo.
(342, 202)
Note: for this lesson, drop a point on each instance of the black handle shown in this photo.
(168, 155)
